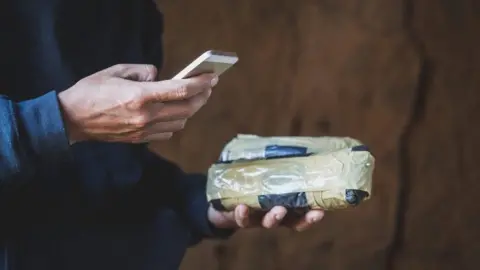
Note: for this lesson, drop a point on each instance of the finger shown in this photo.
(135, 138)
(134, 72)
(208, 93)
(308, 220)
(177, 110)
(156, 137)
(175, 90)
(156, 131)
(163, 127)
(274, 217)
(241, 216)
(160, 117)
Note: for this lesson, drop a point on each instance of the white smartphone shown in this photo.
(216, 62)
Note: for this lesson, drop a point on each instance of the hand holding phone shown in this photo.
(215, 62)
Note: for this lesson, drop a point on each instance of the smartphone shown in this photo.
(216, 62)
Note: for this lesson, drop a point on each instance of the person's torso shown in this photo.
(49, 45)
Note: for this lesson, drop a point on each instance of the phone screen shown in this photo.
(208, 63)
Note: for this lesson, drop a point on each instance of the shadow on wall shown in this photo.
(398, 75)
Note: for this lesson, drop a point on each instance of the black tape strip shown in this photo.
(278, 151)
(282, 151)
(288, 200)
(217, 205)
(360, 148)
(224, 162)
(354, 196)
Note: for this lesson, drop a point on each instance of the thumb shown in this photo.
(134, 72)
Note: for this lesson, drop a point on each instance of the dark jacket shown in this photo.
(93, 205)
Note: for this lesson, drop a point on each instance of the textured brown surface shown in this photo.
(401, 76)
(441, 225)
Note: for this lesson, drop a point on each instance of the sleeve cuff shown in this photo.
(198, 212)
(43, 122)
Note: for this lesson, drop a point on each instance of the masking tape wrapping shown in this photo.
(327, 173)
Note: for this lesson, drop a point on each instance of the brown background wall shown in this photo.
(403, 76)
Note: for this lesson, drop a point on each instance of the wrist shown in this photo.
(72, 129)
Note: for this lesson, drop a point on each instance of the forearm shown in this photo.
(32, 139)
(186, 192)
(197, 207)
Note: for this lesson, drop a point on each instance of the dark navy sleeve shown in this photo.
(186, 193)
(32, 137)
(193, 186)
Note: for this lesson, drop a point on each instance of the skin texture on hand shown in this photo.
(123, 104)
(242, 217)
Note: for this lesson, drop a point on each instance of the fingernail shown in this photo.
(214, 81)
(278, 217)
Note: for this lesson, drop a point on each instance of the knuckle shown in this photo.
(181, 91)
(136, 99)
(139, 121)
(151, 71)
(120, 66)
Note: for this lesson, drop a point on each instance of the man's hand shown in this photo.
(241, 218)
(123, 104)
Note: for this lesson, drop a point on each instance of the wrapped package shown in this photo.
(326, 173)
